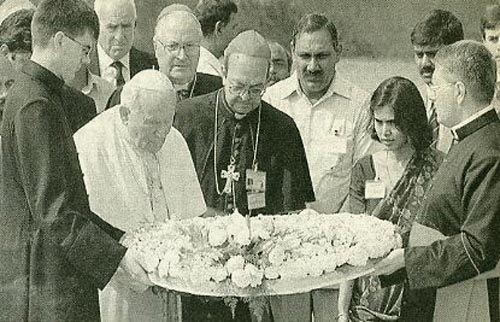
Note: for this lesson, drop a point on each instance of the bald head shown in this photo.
(177, 45)
(116, 26)
(147, 109)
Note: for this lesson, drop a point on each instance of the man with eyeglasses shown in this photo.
(15, 39)
(55, 253)
(115, 59)
(248, 155)
(176, 43)
(332, 116)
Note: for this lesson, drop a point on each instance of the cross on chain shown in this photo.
(230, 175)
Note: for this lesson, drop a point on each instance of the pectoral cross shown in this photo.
(230, 175)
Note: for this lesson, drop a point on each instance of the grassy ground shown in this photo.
(368, 73)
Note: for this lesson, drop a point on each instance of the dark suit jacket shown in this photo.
(54, 252)
(139, 60)
(204, 84)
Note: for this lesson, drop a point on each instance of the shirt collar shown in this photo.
(47, 77)
(473, 123)
(91, 83)
(338, 86)
(105, 61)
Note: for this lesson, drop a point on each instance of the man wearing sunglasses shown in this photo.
(248, 155)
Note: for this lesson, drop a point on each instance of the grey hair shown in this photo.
(470, 62)
(99, 4)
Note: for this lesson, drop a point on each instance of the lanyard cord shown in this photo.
(255, 148)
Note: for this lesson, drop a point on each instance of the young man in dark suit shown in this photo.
(54, 252)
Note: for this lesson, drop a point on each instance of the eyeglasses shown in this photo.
(257, 90)
(175, 47)
(86, 49)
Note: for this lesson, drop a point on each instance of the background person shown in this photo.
(177, 47)
(436, 29)
(219, 27)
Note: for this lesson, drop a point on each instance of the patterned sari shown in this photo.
(369, 301)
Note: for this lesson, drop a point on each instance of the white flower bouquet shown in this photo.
(264, 255)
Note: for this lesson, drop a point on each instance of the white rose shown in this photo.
(235, 263)
(271, 273)
(217, 236)
(241, 278)
(243, 236)
(277, 255)
(219, 274)
(149, 261)
(256, 275)
(163, 268)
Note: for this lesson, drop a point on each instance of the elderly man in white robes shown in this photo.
(138, 169)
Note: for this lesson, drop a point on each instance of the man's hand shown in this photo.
(137, 276)
(392, 263)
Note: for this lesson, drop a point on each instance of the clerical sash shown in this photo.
(466, 301)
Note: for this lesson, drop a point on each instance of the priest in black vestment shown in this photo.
(458, 226)
(248, 155)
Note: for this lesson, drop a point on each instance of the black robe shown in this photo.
(54, 252)
(464, 205)
(280, 153)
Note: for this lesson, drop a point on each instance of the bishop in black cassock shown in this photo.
(248, 155)
(280, 153)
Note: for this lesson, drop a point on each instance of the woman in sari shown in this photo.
(390, 184)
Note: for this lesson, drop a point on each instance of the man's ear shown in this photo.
(460, 92)
(338, 49)
(4, 50)
(58, 39)
(219, 25)
(124, 114)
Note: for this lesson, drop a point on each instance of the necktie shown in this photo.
(118, 65)
(182, 94)
(433, 124)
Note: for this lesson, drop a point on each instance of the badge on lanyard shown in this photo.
(374, 189)
(256, 189)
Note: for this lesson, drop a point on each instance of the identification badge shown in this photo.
(374, 189)
(256, 189)
(339, 145)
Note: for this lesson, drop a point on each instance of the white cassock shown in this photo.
(127, 188)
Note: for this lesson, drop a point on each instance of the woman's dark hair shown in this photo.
(409, 110)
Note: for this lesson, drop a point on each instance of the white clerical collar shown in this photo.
(470, 119)
(105, 61)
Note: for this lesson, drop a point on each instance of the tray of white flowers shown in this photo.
(237, 256)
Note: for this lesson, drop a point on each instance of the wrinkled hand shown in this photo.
(392, 263)
(131, 267)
